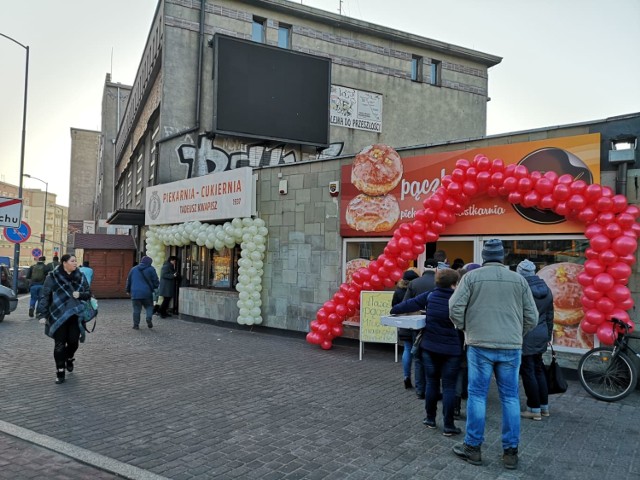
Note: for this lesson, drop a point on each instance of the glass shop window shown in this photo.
(544, 252)
(214, 268)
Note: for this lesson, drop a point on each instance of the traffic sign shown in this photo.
(10, 212)
(36, 253)
(18, 235)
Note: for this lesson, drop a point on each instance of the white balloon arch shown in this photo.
(250, 233)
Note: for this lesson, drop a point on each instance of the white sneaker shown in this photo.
(42, 321)
(531, 415)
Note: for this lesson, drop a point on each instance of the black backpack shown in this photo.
(38, 273)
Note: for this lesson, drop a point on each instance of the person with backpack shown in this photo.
(142, 282)
(36, 276)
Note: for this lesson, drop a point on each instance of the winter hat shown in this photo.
(146, 260)
(409, 275)
(526, 268)
(493, 251)
(470, 266)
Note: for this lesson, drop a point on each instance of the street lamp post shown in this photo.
(46, 193)
(16, 252)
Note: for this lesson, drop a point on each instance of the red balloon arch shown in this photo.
(610, 227)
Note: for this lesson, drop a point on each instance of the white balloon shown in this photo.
(252, 271)
(257, 320)
(255, 312)
(241, 320)
(218, 245)
(258, 264)
(200, 241)
(244, 279)
(256, 255)
(247, 222)
(259, 239)
(258, 222)
(251, 246)
(244, 295)
(263, 231)
(247, 237)
(209, 244)
(253, 230)
(236, 222)
(261, 249)
(256, 280)
(245, 311)
(248, 303)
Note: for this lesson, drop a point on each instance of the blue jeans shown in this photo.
(138, 303)
(420, 378)
(406, 358)
(445, 369)
(534, 381)
(35, 291)
(505, 365)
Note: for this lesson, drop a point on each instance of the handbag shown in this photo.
(555, 378)
(415, 348)
(89, 313)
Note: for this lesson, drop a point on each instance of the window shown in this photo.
(284, 36)
(416, 68)
(209, 268)
(259, 30)
(435, 77)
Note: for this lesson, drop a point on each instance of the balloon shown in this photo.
(510, 184)
(524, 185)
(591, 254)
(628, 259)
(521, 171)
(515, 198)
(326, 344)
(314, 338)
(626, 304)
(405, 243)
(565, 179)
(561, 209)
(601, 242)
(576, 202)
(606, 333)
(530, 199)
(595, 317)
(584, 278)
(561, 192)
(497, 179)
(612, 230)
(578, 187)
(603, 282)
(588, 327)
(619, 270)
(624, 245)
(593, 230)
(544, 186)
(593, 192)
(587, 302)
(588, 214)
(619, 203)
(608, 257)
(547, 202)
(592, 268)
(337, 330)
(618, 293)
(591, 292)
(604, 204)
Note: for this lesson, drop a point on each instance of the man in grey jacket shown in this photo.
(495, 309)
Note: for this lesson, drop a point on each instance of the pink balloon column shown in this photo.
(610, 227)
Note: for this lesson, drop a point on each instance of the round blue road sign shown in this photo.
(36, 253)
(18, 235)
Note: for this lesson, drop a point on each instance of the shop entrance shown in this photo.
(455, 248)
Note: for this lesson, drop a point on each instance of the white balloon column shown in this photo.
(250, 233)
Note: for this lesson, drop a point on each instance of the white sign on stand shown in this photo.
(373, 306)
(10, 212)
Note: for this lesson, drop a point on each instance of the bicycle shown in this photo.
(609, 373)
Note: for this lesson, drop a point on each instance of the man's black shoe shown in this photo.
(420, 396)
(31, 312)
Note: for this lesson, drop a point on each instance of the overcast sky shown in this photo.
(564, 61)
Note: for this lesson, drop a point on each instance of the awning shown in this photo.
(126, 217)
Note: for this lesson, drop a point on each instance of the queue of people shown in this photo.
(496, 321)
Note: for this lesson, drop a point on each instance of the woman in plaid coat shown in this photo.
(62, 305)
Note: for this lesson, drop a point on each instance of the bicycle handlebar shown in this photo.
(617, 321)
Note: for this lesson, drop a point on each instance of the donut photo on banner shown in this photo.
(610, 227)
(376, 170)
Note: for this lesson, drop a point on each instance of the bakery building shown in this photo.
(265, 217)
(203, 104)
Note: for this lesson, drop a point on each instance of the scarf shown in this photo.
(63, 306)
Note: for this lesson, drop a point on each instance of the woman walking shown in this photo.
(61, 304)
(405, 335)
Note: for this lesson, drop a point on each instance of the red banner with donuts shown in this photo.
(381, 190)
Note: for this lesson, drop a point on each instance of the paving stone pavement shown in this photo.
(189, 400)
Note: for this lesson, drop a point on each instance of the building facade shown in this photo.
(83, 176)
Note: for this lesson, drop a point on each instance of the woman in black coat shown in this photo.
(534, 345)
(167, 288)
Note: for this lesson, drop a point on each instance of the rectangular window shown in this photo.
(259, 30)
(210, 268)
(416, 68)
(435, 76)
(284, 36)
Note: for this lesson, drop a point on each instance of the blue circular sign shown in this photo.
(36, 253)
(18, 235)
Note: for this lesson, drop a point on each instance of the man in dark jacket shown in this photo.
(36, 275)
(142, 281)
(534, 345)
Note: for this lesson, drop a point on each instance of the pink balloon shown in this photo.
(591, 292)
(603, 282)
(565, 179)
(587, 302)
(329, 307)
(417, 250)
(314, 338)
(314, 325)
(375, 280)
(388, 282)
(628, 259)
(497, 165)
(521, 171)
(530, 199)
(497, 179)
(323, 329)
(585, 279)
(588, 214)
(326, 344)
(544, 186)
(515, 198)
(510, 184)
(576, 202)
(619, 270)
(605, 305)
(352, 305)
(593, 230)
(547, 202)
(613, 230)
(604, 204)
(334, 318)
(483, 181)
(620, 315)
(633, 210)
(437, 226)
(625, 220)
(608, 257)
(342, 310)
(604, 218)
(593, 192)
(619, 203)
(525, 185)
(551, 175)
(578, 187)
(600, 243)
(561, 192)
(561, 209)
(626, 304)
(606, 333)
(595, 317)
(482, 163)
(322, 315)
(592, 268)
(463, 163)
(405, 243)
(618, 293)
(337, 330)
(624, 245)
(408, 254)
(589, 328)
(458, 175)
(470, 188)
(435, 202)
(396, 274)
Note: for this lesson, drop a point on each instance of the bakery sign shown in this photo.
(356, 109)
(381, 190)
(217, 196)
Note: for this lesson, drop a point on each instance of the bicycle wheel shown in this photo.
(607, 377)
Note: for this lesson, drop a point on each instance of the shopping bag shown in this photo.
(555, 378)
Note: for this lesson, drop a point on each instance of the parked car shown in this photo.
(23, 282)
(6, 278)
(8, 301)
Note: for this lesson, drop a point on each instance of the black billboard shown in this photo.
(270, 93)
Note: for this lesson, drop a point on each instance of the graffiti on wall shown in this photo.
(208, 154)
